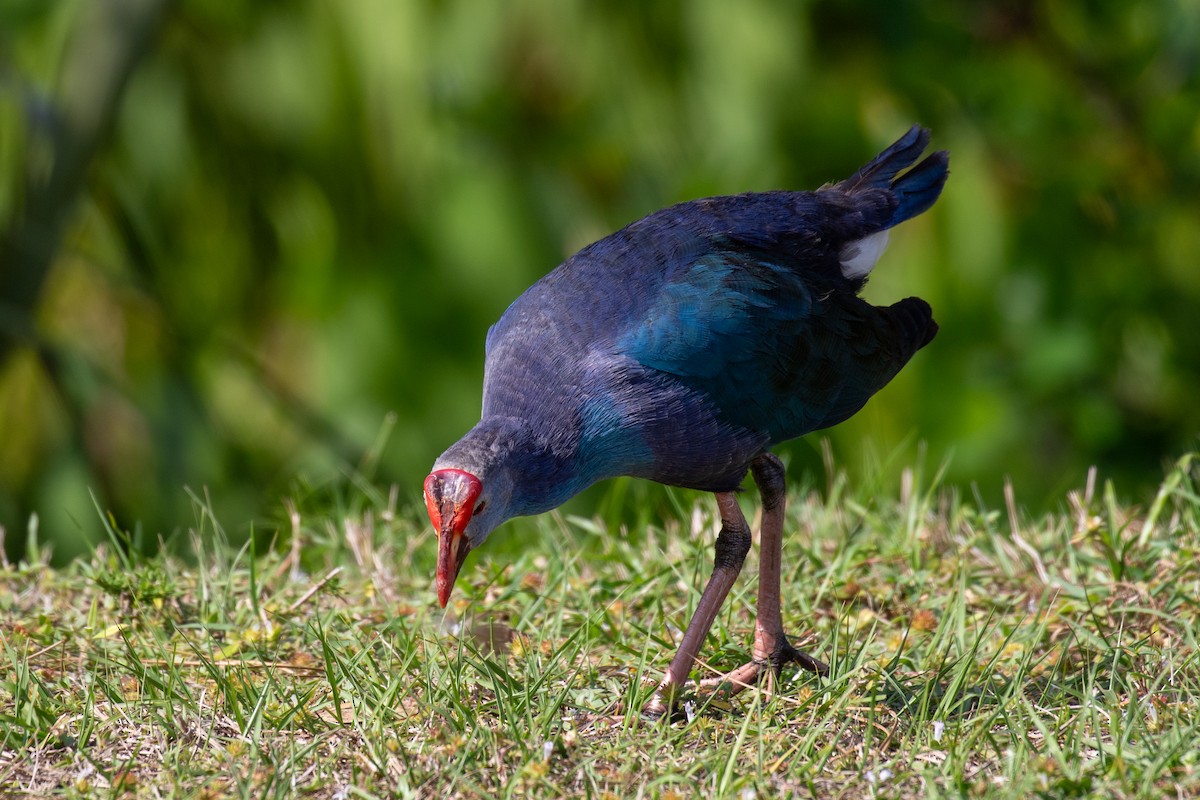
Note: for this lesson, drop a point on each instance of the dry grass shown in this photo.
(974, 651)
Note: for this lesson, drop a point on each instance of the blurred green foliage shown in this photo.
(304, 215)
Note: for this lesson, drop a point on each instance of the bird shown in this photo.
(681, 349)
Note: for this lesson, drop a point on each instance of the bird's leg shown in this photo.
(732, 545)
(771, 648)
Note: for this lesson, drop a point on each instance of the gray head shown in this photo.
(469, 493)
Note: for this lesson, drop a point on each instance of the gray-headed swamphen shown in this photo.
(681, 349)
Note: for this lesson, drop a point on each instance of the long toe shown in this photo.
(789, 653)
(734, 681)
(809, 663)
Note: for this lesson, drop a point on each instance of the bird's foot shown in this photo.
(665, 702)
(675, 702)
(668, 697)
(766, 661)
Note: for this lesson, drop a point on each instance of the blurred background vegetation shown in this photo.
(251, 247)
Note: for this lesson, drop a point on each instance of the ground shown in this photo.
(974, 652)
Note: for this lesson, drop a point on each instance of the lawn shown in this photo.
(975, 651)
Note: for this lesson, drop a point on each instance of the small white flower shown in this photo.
(689, 709)
(749, 793)
(939, 728)
(547, 749)
(878, 777)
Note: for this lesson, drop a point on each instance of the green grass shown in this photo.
(974, 652)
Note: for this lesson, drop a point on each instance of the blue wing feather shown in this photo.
(770, 352)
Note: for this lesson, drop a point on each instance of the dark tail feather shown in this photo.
(879, 171)
(918, 189)
(915, 190)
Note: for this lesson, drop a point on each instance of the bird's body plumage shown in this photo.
(683, 345)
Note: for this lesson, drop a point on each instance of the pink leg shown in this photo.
(732, 545)
(771, 647)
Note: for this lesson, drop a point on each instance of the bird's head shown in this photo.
(499, 470)
(464, 510)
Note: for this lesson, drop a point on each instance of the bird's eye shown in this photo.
(479, 508)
